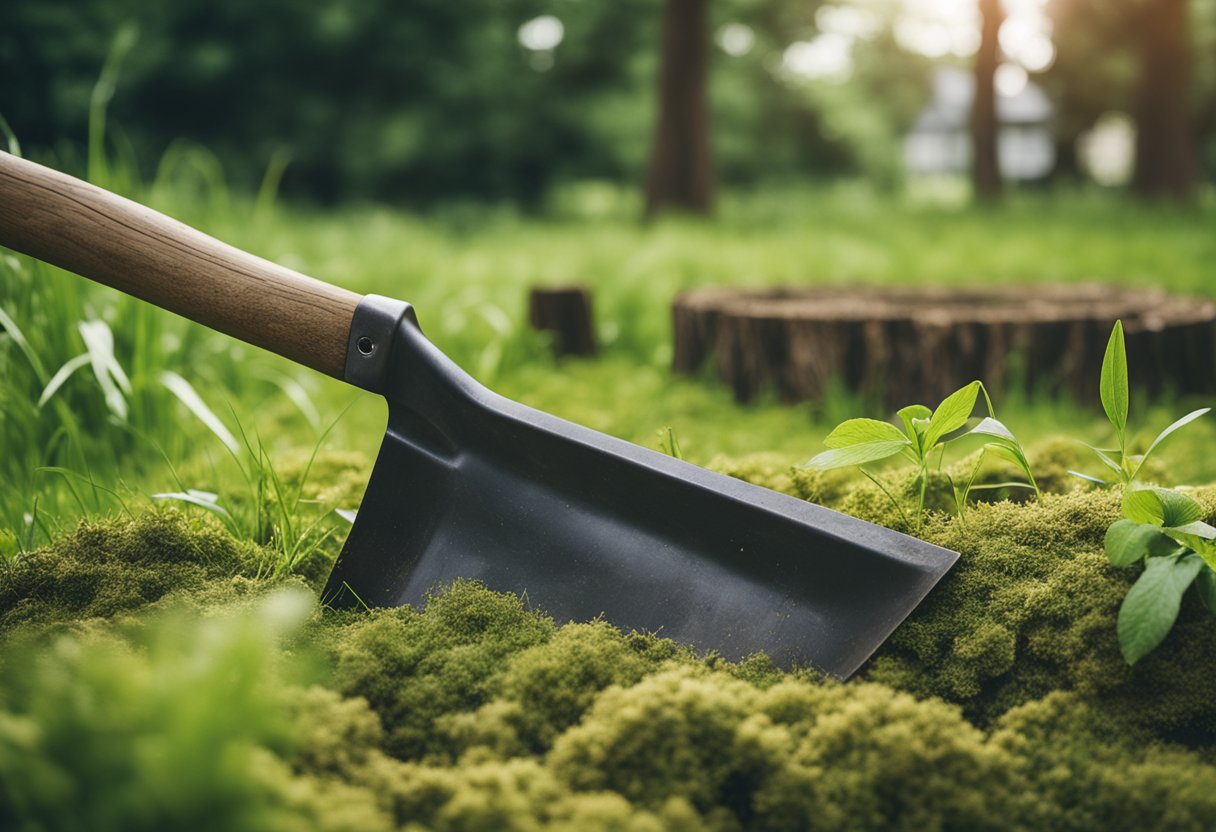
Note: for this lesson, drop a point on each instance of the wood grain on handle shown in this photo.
(104, 237)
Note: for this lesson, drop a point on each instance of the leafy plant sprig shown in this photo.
(1113, 390)
(858, 442)
(1161, 528)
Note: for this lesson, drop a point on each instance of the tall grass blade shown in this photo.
(23, 344)
(268, 190)
(61, 376)
(202, 499)
(10, 138)
(99, 101)
(99, 343)
(1185, 420)
(188, 396)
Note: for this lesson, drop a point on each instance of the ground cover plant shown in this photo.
(166, 663)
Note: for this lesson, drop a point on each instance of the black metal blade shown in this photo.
(471, 485)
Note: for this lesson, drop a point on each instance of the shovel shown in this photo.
(471, 485)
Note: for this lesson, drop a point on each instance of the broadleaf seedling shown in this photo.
(859, 442)
(1113, 391)
(1161, 528)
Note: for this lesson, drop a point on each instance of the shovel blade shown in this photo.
(471, 485)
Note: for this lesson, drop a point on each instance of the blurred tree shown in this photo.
(681, 175)
(985, 161)
(373, 99)
(1093, 72)
(1166, 160)
(1138, 56)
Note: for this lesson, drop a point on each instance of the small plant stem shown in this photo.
(920, 505)
(890, 497)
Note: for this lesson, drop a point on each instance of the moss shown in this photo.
(1086, 769)
(112, 566)
(182, 727)
(1030, 608)
(1001, 703)
(794, 756)
(775, 471)
(334, 478)
(413, 667)
(554, 683)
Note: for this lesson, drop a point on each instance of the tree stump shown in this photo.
(565, 313)
(896, 346)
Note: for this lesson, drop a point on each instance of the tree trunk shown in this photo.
(985, 163)
(1067, 166)
(681, 173)
(1166, 161)
(565, 313)
(897, 346)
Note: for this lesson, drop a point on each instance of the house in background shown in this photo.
(940, 141)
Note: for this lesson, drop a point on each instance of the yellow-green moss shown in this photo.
(108, 567)
(413, 667)
(477, 712)
(1030, 608)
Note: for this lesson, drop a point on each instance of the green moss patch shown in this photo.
(1002, 702)
(109, 567)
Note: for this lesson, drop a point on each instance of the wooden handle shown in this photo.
(104, 237)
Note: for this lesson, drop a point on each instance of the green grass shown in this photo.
(467, 271)
(148, 666)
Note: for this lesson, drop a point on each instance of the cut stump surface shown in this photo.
(900, 345)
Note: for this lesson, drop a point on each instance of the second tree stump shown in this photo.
(903, 345)
(565, 313)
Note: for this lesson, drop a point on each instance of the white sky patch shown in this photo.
(828, 57)
(931, 38)
(1027, 39)
(736, 39)
(1010, 79)
(850, 21)
(541, 34)
(937, 28)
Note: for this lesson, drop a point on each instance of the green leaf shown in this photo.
(1087, 477)
(1107, 461)
(991, 427)
(951, 414)
(188, 396)
(1205, 585)
(1198, 529)
(915, 416)
(1185, 420)
(1199, 537)
(856, 454)
(1160, 507)
(1113, 386)
(1005, 445)
(1128, 541)
(1151, 606)
(202, 499)
(863, 431)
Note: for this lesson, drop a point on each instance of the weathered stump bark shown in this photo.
(902, 345)
(564, 312)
